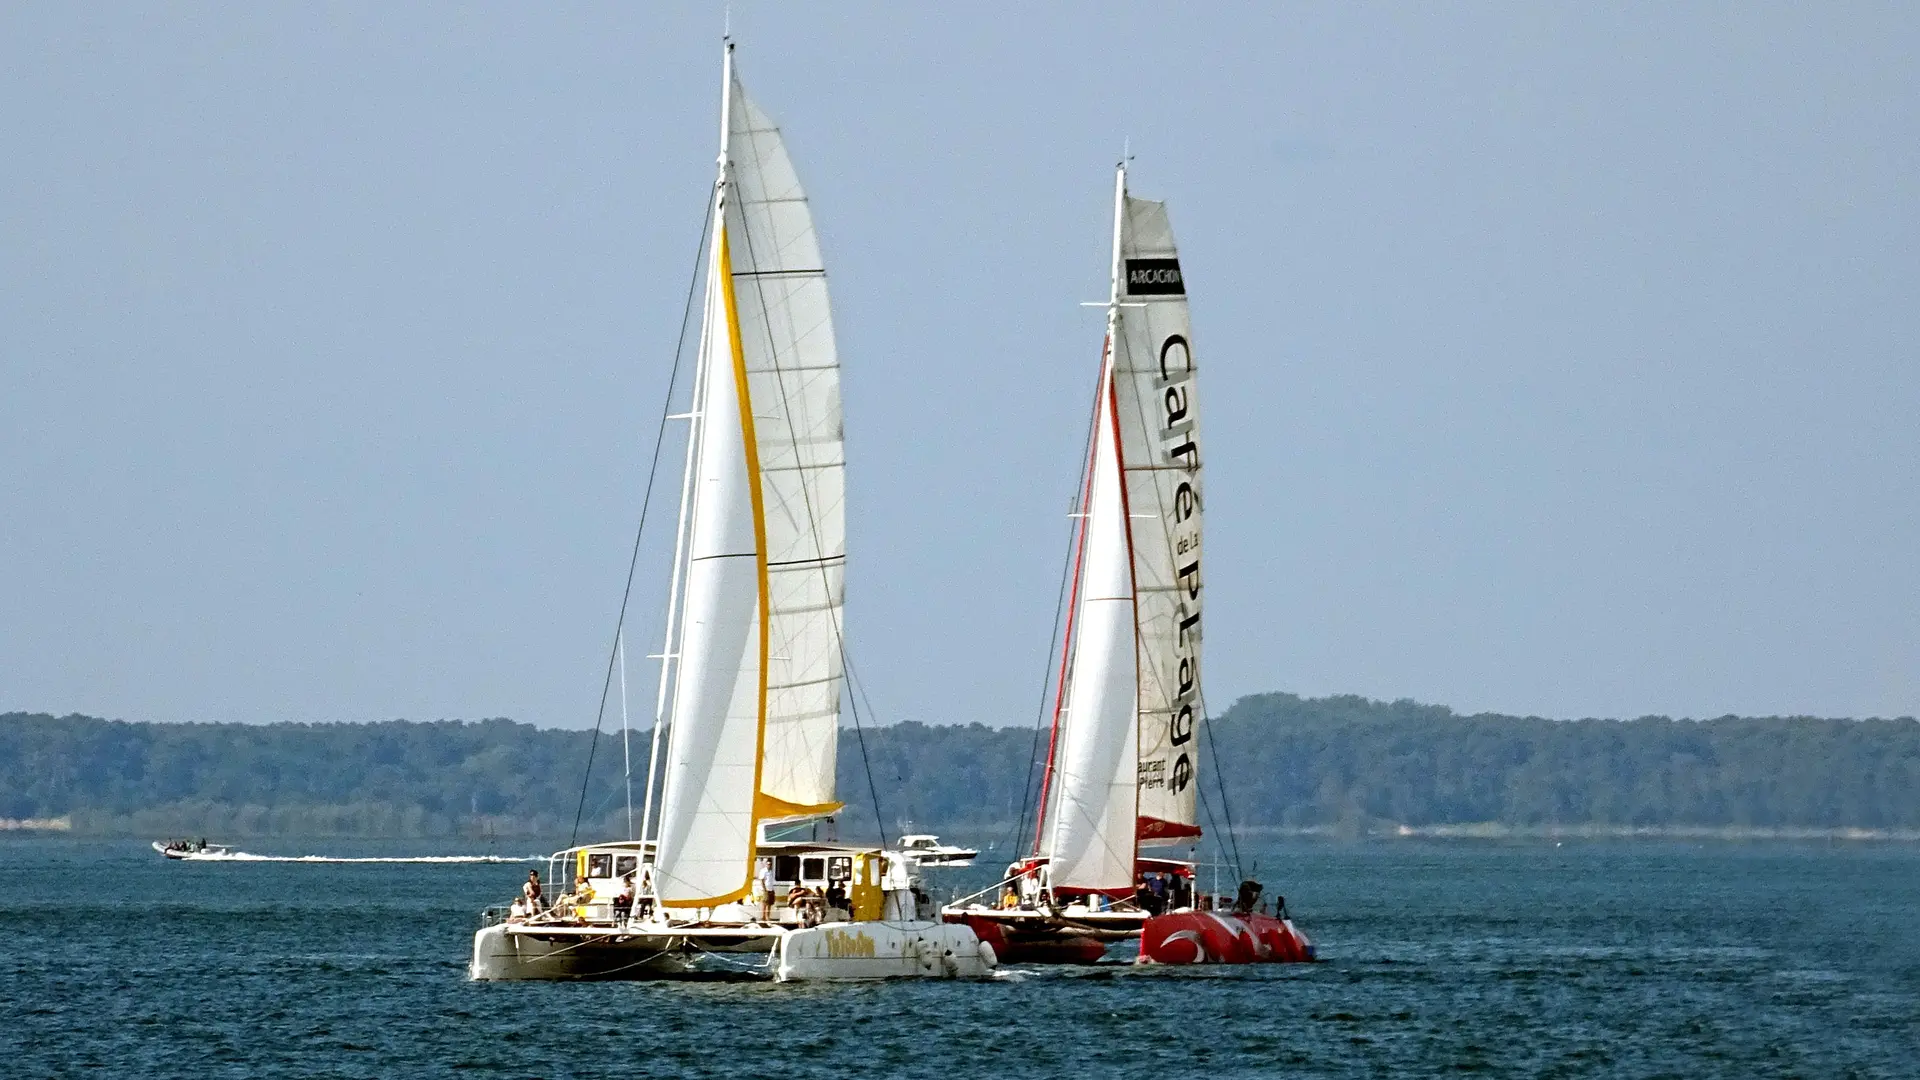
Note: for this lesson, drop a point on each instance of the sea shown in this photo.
(1638, 958)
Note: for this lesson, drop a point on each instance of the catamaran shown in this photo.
(748, 712)
(1122, 765)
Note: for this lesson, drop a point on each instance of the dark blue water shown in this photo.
(1621, 959)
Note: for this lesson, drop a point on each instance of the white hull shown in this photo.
(846, 952)
(836, 952)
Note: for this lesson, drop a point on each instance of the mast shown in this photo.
(1091, 845)
(1045, 817)
(695, 411)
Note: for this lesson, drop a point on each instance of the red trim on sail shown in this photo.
(1153, 828)
(1073, 605)
(1133, 581)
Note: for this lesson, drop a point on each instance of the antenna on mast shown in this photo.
(726, 22)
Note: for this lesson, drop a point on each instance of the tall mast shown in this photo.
(1113, 291)
(1107, 389)
(1102, 394)
(696, 430)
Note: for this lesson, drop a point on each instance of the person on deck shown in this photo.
(530, 892)
(643, 901)
(623, 900)
(764, 885)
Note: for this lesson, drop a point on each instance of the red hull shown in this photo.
(1215, 937)
(1015, 946)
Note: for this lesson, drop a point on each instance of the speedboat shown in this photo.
(192, 849)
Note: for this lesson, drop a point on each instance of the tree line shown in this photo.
(1346, 763)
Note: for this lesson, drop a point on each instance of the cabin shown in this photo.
(811, 882)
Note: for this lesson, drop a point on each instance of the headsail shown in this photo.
(1124, 771)
(1092, 844)
(755, 714)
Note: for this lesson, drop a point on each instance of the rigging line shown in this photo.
(860, 736)
(1046, 683)
(646, 502)
(1220, 780)
(1213, 824)
(856, 688)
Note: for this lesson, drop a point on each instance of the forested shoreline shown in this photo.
(1345, 764)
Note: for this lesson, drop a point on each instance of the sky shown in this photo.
(1555, 359)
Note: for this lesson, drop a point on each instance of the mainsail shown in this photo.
(1124, 768)
(756, 698)
(1153, 385)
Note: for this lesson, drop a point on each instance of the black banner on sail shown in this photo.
(1154, 277)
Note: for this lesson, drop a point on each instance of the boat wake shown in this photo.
(247, 856)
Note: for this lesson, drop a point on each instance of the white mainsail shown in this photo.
(756, 697)
(1124, 770)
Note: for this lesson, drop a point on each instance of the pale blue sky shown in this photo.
(1556, 358)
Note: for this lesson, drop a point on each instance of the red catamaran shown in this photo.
(1122, 763)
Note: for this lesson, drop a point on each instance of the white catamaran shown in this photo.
(1122, 764)
(748, 714)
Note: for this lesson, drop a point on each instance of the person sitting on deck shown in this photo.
(566, 905)
(623, 900)
(1249, 899)
(530, 892)
(805, 904)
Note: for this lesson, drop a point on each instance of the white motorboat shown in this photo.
(927, 849)
(194, 850)
(747, 717)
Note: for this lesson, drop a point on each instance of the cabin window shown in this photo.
(786, 869)
(813, 871)
(600, 865)
(839, 868)
(625, 864)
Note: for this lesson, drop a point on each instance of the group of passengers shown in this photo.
(1155, 892)
(628, 903)
(1160, 891)
(808, 904)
